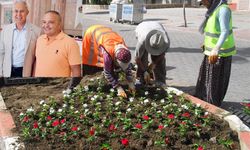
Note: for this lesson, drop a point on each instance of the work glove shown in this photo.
(131, 87)
(213, 57)
(151, 67)
(121, 92)
(146, 77)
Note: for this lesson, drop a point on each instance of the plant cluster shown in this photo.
(94, 113)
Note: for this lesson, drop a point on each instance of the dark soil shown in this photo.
(19, 98)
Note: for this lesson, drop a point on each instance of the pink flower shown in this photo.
(26, 119)
(92, 131)
(167, 140)
(171, 116)
(81, 116)
(197, 125)
(186, 114)
(200, 148)
(63, 121)
(35, 125)
(138, 126)
(55, 123)
(124, 142)
(112, 127)
(160, 127)
(145, 117)
(183, 122)
(74, 128)
(49, 118)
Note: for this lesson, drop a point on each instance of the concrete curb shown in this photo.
(8, 140)
(234, 122)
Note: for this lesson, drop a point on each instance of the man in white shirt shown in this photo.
(17, 54)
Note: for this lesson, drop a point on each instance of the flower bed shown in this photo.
(94, 118)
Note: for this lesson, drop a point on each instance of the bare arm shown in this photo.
(76, 70)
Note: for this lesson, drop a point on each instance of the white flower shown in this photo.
(76, 112)
(158, 111)
(129, 109)
(98, 78)
(86, 88)
(64, 105)
(99, 103)
(162, 101)
(30, 109)
(154, 104)
(206, 113)
(59, 110)
(158, 89)
(174, 90)
(21, 114)
(44, 105)
(92, 79)
(117, 103)
(146, 93)
(42, 102)
(112, 90)
(85, 105)
(146, 101)
(71, 107)
(108, 96)
(86, 110)
(198, 104)
(131, 99)
(51, 110)
(92, 98)
(95, 96)
(184, 106)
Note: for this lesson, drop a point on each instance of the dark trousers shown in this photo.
(213, 80)
(17, 72)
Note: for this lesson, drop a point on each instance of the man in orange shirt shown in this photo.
(57, 54)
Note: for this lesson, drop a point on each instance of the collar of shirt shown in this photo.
(60, 36)
(23, 29)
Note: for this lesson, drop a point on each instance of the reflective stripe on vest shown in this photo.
(92, 45)
(212, 36)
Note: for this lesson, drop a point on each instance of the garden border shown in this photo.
(7, 138)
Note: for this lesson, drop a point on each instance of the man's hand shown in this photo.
(146, 76)
(121, 92)
(131, 87)
(213, 57)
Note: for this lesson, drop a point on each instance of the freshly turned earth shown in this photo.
(19, 98)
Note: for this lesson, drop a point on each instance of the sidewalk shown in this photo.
(184, 57)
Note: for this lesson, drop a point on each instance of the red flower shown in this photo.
(145, 117)
(167, 140)
(35, 125)
(63, 121)
(186, 115)
(200, 148)
(112, 127)
(49, 118)
(55, 123)
(138, 126)
(197, 125)
(92, 131)
(246, 104)
(74, 128)
(124, 142)
(160, 127)
(183, 122)
(26, 119)
(171, 116)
